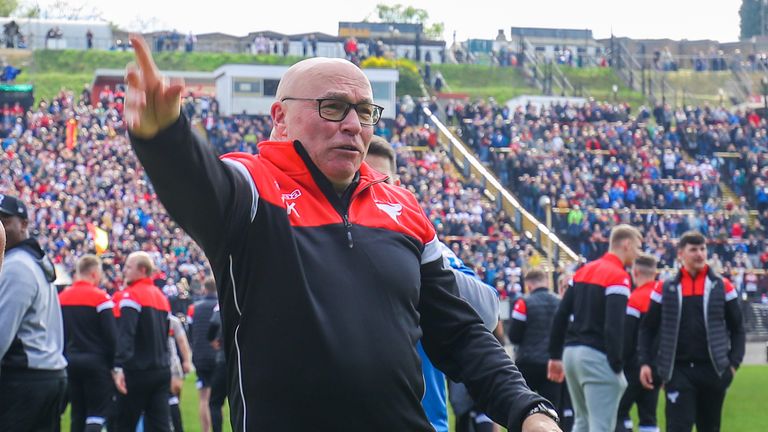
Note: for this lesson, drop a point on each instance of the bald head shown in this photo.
(305, 74)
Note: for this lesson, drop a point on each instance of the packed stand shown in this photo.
(599, 166)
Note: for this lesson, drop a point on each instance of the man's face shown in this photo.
(15, 230)
(132, 271)
(693, 257)
(632, 246)
(337, 148)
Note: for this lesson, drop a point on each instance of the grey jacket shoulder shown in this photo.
(480, 296)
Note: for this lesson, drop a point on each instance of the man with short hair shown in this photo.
(203, 354)
(142, 371)
(33, 378)
(90, 331)
(644, 278)
(701, 339)
(588, 331)
(482, 298)
(529, 329)
(316, 256)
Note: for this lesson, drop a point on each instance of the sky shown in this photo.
(673, 19)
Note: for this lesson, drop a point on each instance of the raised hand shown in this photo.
(152, 101)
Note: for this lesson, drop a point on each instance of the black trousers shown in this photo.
(32, 401)
(646, 400)
(695, 395)
(148, 394)
(535, 375)
(91, 394)
(218, 395)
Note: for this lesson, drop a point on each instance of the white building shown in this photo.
(72, 33)
(252, 88)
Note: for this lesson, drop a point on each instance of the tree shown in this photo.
(752, 17)
(7, 7)
(398, 13)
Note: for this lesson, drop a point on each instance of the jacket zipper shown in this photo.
(345, 214)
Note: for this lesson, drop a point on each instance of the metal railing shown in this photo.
(524, 222)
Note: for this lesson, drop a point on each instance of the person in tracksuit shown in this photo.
(219, 376)
(142, 362)
(203, 355)
(33, 377)
(701, 339)
(644, 278)
(588, 333)
(529, 329)
(89, 332)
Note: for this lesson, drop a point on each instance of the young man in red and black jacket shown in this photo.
(644, 278)
(142, 361)
(588, 332)
(701, 339)
(89, 337)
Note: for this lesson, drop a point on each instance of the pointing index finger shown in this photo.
(144, 59)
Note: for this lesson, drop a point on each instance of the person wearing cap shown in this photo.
(33, 378)
(315, 256)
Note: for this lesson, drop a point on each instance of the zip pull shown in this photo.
(348, 226)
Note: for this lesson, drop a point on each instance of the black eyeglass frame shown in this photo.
(349, 105)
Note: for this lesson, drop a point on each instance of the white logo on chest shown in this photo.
(290, 207)
(392, 210)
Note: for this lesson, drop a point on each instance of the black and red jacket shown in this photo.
(143, 328)
(696, 319)
(324, 297)
(637, 307)
(592, 311)
(89, 325)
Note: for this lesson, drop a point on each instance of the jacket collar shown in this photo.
(80, 284)
(613, 259)
(292, 159)
(143, 281)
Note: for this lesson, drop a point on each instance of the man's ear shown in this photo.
(278, 121)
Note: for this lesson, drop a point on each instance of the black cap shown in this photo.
(12, 206)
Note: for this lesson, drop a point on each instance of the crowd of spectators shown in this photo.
(600, 164)
(96, 182)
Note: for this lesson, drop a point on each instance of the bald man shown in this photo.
(327, 275)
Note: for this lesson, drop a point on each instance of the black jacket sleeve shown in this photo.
(649, 327)
(630, 338)
(126, 335)
(516, 330)
(109, 330)
(458, 343)
(560, 325)
(201, 193)
(735, 325)
(615, 311)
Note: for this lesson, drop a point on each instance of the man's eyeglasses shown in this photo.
(336, 110)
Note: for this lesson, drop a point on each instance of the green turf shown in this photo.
(745, 404)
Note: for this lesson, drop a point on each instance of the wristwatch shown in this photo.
(542, 408)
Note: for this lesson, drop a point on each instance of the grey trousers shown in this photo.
(594, 387)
